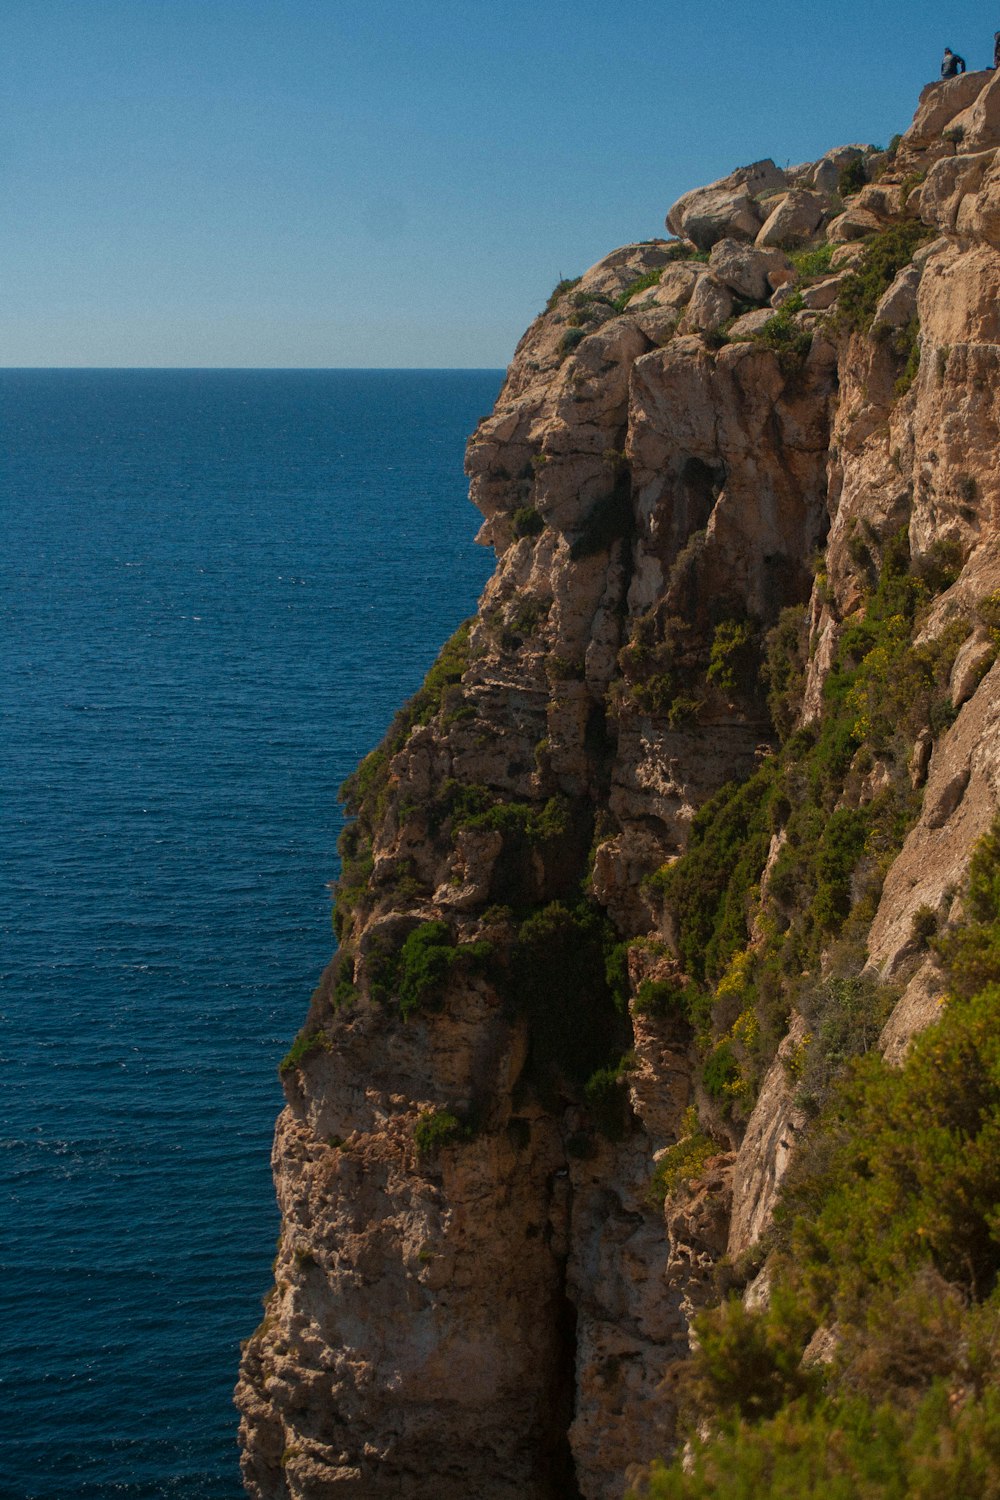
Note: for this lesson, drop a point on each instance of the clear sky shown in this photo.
(393, 182)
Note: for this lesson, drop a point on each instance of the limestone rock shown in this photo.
(743, 270)
(714, 214)
(960, 803)
(947, 185)
(898, 305)
(711, 304)
(767, 1147)
(852, 224)
(823, 295)
(674, 288)
(727, 208)
(751, 322)
(978, 125)
(918, 1007)
(939, 105)
(794, 221)
(884, 200)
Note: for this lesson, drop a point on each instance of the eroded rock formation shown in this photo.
(479, 1289)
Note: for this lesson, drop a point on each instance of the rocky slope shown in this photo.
(515, 1149)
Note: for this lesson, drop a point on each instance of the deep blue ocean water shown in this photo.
(215, 589)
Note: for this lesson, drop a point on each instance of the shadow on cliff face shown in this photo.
(560, 1470)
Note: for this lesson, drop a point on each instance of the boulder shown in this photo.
(987, 208)
(824, 294)
(948, 183)
(853, 224)
(794, 221)
(842, 156)
(710, 306)
(751, 323)
(742, 269)
(884, 201)
(939, 104)
(715, 214)
(826, 174)
(674, 288)
(801, 175)
(846, 255)
(783, 293)
(980, 123)
(826, 178)
(727, 208)
(612, 273)
(898, 305)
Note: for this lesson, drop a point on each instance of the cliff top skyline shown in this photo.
(303, 184)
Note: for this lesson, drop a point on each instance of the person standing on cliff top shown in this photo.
(996, 49)
(952, 64)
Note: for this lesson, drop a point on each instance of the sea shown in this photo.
(216, 586)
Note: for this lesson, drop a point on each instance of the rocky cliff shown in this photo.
(708, 765)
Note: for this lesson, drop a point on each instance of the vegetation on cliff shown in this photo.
(826, 814)
(874, 1367)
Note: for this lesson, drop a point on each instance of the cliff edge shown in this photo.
(699, 779)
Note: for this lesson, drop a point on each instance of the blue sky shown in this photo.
(380, 183)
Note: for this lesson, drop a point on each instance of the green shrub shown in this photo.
(747, 1364)
(720, 1072)
(813, 261)
(889, 251)
(784, 670)
(560, 289)
(527, 521)
(852, 177)
(708, 890)
(425, 962)
(659, 997)
(844, 1015)
(683, 1161)
(558, 979)
(570, 339)
(436, 1128)
(844, 1450)
(641, 284)
(733, 659)
(306, 1044)
(607, 1101)
(783, 336)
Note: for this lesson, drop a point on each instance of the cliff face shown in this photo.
(510, 1165)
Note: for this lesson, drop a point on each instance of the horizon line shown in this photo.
(255, 369)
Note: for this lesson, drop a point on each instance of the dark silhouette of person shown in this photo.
(996, 49)
(952, 64)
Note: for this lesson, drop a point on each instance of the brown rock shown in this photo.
(898, 305)
(852, 224)
(939, 104)
(727, 208)
(767, 1147)
(979, 124)
(711, 304)
(745, 271)
(824, 294)
(794, 221)
(751, 323)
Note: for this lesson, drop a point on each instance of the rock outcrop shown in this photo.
(506, 1179)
